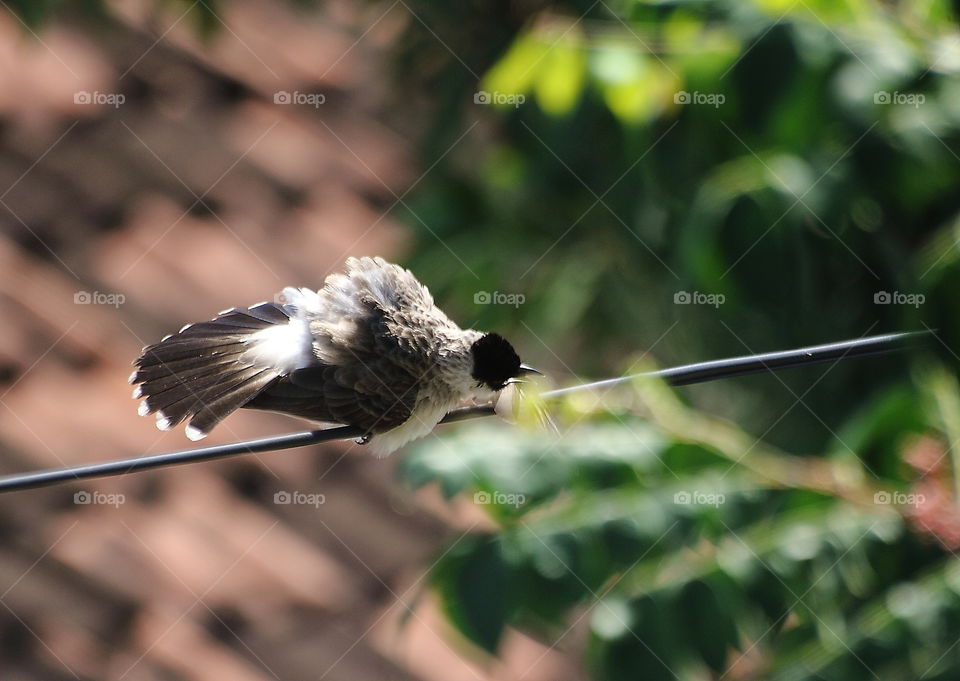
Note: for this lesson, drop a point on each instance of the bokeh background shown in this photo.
(613, 186)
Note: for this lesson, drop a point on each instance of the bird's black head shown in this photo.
(495, 362)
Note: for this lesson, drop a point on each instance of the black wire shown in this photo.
(770, 361)
(683, 375)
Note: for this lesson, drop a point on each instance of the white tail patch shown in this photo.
(284, 347)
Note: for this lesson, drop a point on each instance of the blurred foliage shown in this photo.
(799, 159)
(693, 550)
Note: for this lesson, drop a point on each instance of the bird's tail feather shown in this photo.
(206, 371)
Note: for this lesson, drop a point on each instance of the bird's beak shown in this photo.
(527, 369)
(524, 370)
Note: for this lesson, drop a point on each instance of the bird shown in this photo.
(369, 349)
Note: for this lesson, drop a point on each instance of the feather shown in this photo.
(209, 369)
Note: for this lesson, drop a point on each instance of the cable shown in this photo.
(677, 376)
(770, 361)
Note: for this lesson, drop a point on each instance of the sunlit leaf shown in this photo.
(519, 68)
(562, 76)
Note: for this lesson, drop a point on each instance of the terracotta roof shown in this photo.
(120, 224)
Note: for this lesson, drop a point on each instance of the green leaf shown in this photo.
(474, 584)
(633, 85)
(709, 625)
(519, 68)
(561, 77)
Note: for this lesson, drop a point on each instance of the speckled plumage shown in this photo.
(369, 349)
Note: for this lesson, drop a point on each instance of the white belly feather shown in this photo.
(421, 422)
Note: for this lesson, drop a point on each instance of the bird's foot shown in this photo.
(364, 439)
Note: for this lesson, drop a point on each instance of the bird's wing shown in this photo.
(376, 397)
(367, 374)
(373, 394)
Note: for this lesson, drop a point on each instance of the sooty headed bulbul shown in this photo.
(370, 349)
